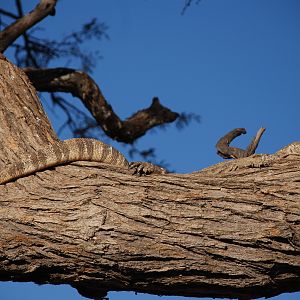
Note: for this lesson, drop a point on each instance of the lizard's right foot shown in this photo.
(141, 168)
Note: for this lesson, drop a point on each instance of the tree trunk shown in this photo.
(231, 230)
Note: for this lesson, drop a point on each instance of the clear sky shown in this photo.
(235, 63)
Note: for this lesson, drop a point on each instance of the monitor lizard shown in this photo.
(77, 149)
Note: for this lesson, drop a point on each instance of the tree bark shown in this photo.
(24, 126)
(231, 230)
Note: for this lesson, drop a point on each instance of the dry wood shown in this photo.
(225, 151)
(231, 230)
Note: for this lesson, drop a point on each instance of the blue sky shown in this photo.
(235, 63)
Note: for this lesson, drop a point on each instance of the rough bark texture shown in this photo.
(232, 234)
(231, 230)
(24, 126)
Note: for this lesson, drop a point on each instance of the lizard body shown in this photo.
(63, 152)
(79, 149)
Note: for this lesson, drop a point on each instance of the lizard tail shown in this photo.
(61, 153)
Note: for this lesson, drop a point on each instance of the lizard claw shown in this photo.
(141, 168)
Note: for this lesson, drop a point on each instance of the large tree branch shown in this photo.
(216, 233)
(13, 31)
(81, 85)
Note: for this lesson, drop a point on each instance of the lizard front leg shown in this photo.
(141, 168)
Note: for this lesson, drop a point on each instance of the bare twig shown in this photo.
(187, 4)
(8, 14)
(225, 151)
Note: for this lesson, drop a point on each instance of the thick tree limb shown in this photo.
(81, 85)
(216, 233)
(13, 31)
(225, 151)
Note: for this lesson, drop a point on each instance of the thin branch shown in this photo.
(225, 151)
(254, 143)
(187, 4)
(13, 31)
(75, 117)
(19, 8)
(30, 56)
(8, 14)
(81, 85)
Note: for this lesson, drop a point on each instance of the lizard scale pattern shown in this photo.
(64, 152)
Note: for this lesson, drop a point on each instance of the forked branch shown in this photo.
(81, 85)
(225, 151)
